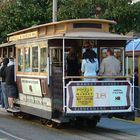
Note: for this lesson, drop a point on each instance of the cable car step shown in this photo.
(13, 110)
(61, 120)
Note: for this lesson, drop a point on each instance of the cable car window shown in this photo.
(43, 59)
(57, 57)
(35, 59)
(20, 59)
(27, 60)
(130, 64)
(10, 52)
(5, 52)
(118, 53)
(87, 25)
(103, 54)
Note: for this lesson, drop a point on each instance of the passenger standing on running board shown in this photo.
(11, 84)
(4, 97)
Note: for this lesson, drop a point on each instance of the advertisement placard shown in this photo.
(31, 86)
(102, 96)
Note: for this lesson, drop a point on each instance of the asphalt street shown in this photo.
(13, 128)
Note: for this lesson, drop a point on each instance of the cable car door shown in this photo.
(56, 83)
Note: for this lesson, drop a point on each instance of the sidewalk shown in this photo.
(3, 111)
(137, 116)
(137, 120)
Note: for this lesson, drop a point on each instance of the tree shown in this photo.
(18, 14)
(136, 17)
(120, 11)
(73, 9)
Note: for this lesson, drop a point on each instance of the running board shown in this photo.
(61, 120)
(12, 110)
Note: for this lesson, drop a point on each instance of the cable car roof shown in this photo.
(7, 44)
(65, 22)
(92, 35)
(73, 29)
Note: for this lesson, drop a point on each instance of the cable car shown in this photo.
(45, 88)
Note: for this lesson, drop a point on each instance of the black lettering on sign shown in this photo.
(118, 98)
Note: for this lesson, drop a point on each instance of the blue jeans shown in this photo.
(4, 95)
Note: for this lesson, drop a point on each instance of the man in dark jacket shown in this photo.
(10, 83)
(4, 97)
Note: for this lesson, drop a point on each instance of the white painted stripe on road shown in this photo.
(11, 135)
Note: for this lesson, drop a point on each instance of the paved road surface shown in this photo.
(12, 128)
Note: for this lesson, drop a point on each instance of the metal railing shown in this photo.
(98, 77)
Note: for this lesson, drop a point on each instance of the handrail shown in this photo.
(98, 77)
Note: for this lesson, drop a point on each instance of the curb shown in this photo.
(136, 121)
(3, 111)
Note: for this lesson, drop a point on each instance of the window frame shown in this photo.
(40, 45)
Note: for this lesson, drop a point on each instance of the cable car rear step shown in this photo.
(13, 110)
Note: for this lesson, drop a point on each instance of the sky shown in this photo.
(135, 0)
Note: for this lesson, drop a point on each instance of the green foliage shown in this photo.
(123, 12)
(136, 16)
(18, 14)
(73, 9)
